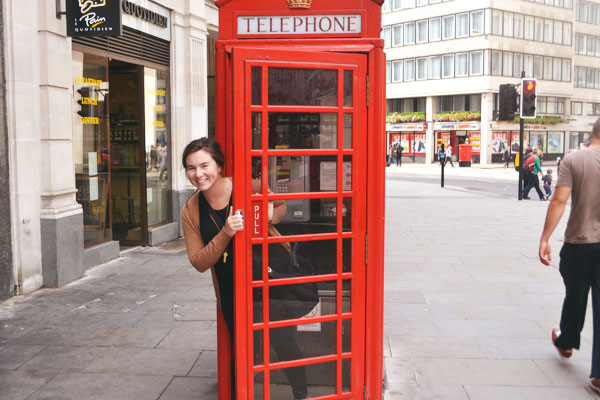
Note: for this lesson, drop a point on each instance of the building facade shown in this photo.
(446, 60)
(95, 127)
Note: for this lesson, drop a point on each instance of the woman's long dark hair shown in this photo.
(211, 146)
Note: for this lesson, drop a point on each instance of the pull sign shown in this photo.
(256, 219)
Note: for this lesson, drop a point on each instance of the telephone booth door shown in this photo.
(299, 145)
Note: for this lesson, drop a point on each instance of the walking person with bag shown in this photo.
(580, 255)
(532, 167)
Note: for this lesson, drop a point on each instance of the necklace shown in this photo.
(225, 254)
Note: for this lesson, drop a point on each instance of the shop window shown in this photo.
(158, 187)
(91, 147)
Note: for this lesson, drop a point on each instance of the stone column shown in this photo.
(61, 216)
(189, 82)
(430, 137)
(6, 261)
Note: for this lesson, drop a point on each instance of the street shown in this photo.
(468, 310)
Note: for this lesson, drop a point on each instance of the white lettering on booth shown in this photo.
(256, 219)
(299, 24)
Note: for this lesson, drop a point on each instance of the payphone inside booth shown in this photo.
(300, 100)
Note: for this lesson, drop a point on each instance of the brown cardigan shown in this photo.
(202, 256)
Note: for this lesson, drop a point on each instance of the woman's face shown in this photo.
(202, 170)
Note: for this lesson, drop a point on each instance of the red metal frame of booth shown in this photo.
(233, 54)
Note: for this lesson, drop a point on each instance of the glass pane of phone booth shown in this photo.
(302, 133)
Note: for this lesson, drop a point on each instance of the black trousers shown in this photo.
(580, 270)
(533, 182)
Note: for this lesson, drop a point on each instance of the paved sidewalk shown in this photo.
(468, 306)
(468, 313)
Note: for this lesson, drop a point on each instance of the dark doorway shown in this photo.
(128, 166)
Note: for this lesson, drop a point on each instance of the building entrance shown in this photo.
(127, 156)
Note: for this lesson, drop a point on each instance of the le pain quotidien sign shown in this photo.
(104, 17)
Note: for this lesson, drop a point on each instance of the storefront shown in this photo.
(412, 138)
(550, 139)
(121, 128)
(455, 134)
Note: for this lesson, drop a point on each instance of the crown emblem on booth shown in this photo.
(299, 3)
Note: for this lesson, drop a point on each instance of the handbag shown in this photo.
(287, 301)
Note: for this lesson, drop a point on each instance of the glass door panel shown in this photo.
(156, 109)
(305, 232)
(91, 145)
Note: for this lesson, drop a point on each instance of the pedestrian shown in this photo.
(449, 156)
(533, 180)
(580, 254)
(506, 157)
(163, 165)
(547, 179)
(441, 153)
(209, 225)
(399, 150)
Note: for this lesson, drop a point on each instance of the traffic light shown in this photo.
(528, 98)
(507, 102)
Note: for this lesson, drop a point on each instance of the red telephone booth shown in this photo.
(300, 91)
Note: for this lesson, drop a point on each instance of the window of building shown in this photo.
(579, 44)
(566, 70)
(539, 29)
(409, 70)
(538, 67)
(548, 68)
(477, 23)
(508, 24)
(507, 64)
(435, 31)
(422, 31)
(409, 33)
(579, 77)
(462, 25)
(435, 67)
(462, 64)
(386, 6)
(398, 4)
(397, 71)
(517, 64)
(496, 63)
(388, 72)
(590, 46)
(548, 31)
(386, 34)
(528, 65)
(421, 68)
(518, 26)
(397, 31)
(529, 27)
(446, 103)
(422, 2)
(476, 63)
(496, 22)
(448, 66)
(558, 32)
(557, 69)
(448, 27)
(567, 33)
